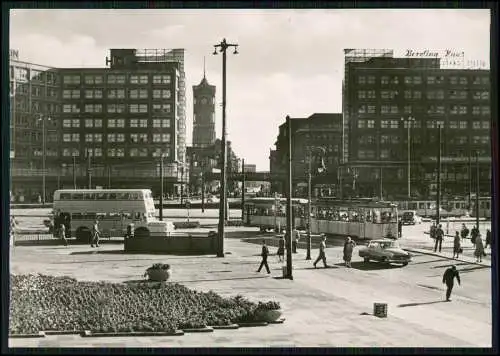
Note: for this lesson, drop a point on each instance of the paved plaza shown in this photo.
(323, 307)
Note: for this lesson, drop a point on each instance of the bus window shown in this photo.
(77, 216)
(100, 216)
(134, 196)
(89, 216)
(101, 196)
(137, 216)
(77, 196)
(114, 216)
(121, 196)
(65, 196)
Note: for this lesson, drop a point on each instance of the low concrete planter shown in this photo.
(40, 334)
(206, 329)
(63, 332)
(225, 327)
(253, 324)
(186, 225)
(268, 315)
(88, 333)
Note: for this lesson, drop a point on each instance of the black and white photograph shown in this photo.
(250, 178)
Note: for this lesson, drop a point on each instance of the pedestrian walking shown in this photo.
(12, 230)
(448, 278)
(439, 238)
(464, 232)
(488, 239)
(295, 241)
(95, 234)
(322, 248)
(457, 248)
(473, 234)
(281, 248)
(62, 234)
(479, 251)
(264, 254)
(432, 231)
(400, 228)
(130, 231)
(348, 249)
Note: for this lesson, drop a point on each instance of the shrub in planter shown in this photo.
(269, 311)
(159, 272)
(186, 224)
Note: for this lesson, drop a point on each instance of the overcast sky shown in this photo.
(289, 61)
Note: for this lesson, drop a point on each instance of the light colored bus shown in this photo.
(115, 209)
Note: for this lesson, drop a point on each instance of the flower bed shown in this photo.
(43, 303)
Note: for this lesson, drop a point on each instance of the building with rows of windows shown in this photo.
(388, 101)
(100, 126)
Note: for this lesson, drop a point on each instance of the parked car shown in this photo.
(212, 199)
(410, 217)
(385, 250)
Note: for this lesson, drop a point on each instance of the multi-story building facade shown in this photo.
(388, 101)
(316, 138)
(111, 126)
(203, 114)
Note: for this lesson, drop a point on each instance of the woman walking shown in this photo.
(456, 245)
(348, 248)
(479, 248)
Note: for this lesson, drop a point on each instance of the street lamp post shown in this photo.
(74, 171)
(438, 185)
(289, 211)
(243, 190)
(161, 186)
(309, 197)
(477, 190)
(223, 46)
(44, 155)
(409, 120)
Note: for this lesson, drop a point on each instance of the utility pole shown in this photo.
(89, 168)
(202, 191)
(161, 187)
(223, 46)
(408, 121)
(182, 183)
(243, 190)
(289, 211)
(438, 185)
(470, 180)
(477, 190)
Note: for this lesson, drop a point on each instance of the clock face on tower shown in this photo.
(204, 100)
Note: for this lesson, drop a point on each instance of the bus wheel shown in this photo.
(83, 235)
(141, 232)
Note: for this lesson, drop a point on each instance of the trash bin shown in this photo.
(283, 268)
(380, 310)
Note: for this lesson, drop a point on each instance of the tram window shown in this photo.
(88, 196)
(112, 196)
(114, 216)
(77, 196)
(412, 206)
(101, 196)
(126, 215)
(120, 196)
(134, 196)
(421, 205)
(429, 205)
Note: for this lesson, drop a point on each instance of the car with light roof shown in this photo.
(386, 251)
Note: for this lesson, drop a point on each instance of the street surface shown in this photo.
(323, 307)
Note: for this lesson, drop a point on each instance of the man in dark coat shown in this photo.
(439, 238)
(264, 254)
(448, 278)
(488, 239)
(400, 228)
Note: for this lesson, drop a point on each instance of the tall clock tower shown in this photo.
(203, 113)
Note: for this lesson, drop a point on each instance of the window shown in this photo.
(453, 80)
(134, 138)
(73, 108)
(370, 94)
(384, 124)
(93, 107)
(134, 123)
(71, 123)
(71, 94)
(361, 109)
(116, 79)
(394, 109)
(384, 139)
(371, 79)
(485, 140)
(112, 137)
(476, 125)
(463, 125)
(93, 94)
(120, 123)
(384, 153)
(166, 108)
(165, 137)
(387, 94)
(156, 137)
(161, 79)
(461, 140)
(485, 110)
(361, 79)
(371, 109)
(93, 79)
(431, 124)
(384, 80)
(366, 154)
(143, 138)
(485, 95)
(431, 94)
(143, 152)
(476, 110)
(439, 79)
(116, 94)
(394, 124)
(143, 123)
(453, 124)
(135, 108)
(93, 137)
(111, 152)
(486, 124)
(138, 94)
(408, 109)
(71, 79)
(89, 123)
(408, 80)
(361, 124)
(116, 108)
(120, 137)
(431, 79)
(361, 94)
(98, 123)
(463, 81)
(462, 109)
(67, 137)
(417, 94)
(476, 139)
(407, 94)
(454, 109)
(385, 109)
(439, 94)
(161, 123)
(138, 79)
(395, 80)
(485, 80)
(97, 152)
(111, 122)
(134, 152)
(417, 80)
(166, 94)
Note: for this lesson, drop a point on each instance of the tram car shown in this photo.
(270, 213)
